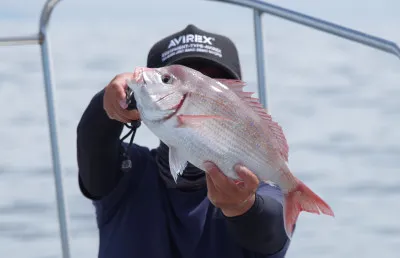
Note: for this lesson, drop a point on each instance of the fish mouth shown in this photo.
(138, 75)
(177, 107)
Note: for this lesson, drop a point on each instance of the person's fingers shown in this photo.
(221, 182)
(119, 92)
(210, 167)
(106, 107)
(123, 104)
(133, 114)
(119, 85)
(239, 183)
(109, 108)
(117, 113)
(130, 115)
(122, 79)
(211, 190)
(121, 119)
(250, 180)
(114, 111)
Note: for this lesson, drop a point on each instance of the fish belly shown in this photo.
(215, 141)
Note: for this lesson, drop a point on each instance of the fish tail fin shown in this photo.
(302, 198)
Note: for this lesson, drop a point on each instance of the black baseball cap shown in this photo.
(194, 45)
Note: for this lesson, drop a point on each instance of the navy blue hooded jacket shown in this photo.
(139, 216)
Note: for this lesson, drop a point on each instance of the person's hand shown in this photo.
(234, 198)
(114, 99)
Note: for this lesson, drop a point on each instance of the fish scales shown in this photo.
(204, 119)
(226, 140)
(235, 134)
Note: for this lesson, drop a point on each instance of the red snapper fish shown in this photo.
(204, 119)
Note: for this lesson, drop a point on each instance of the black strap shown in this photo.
(134, 125)
(126, 164)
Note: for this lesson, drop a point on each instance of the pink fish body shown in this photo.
(204, 119)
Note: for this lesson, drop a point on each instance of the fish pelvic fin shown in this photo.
(302, 198)
(177, 163)
(237, 87)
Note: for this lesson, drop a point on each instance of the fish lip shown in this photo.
(177, 107)
(139, 78)
(143, 80)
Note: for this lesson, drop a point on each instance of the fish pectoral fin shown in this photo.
(177, 163)
(195, 120)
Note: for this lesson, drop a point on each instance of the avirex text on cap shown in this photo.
(193, 44)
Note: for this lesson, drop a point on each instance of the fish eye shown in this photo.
(166, 78)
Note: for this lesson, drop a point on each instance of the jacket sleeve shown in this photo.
(261, 229)
(98, 150)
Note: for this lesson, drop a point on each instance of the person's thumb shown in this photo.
(123, 104)
(134, 114)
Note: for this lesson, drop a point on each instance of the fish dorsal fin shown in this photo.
(237, 87)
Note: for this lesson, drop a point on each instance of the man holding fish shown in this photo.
(202, 192)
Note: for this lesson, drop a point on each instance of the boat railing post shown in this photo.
(42, 39)
(260, 61)
(53, 125)
(260, 7)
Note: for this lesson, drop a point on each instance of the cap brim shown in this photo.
(197, 57)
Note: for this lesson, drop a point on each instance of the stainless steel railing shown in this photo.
(42, 39)
(259, 8)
